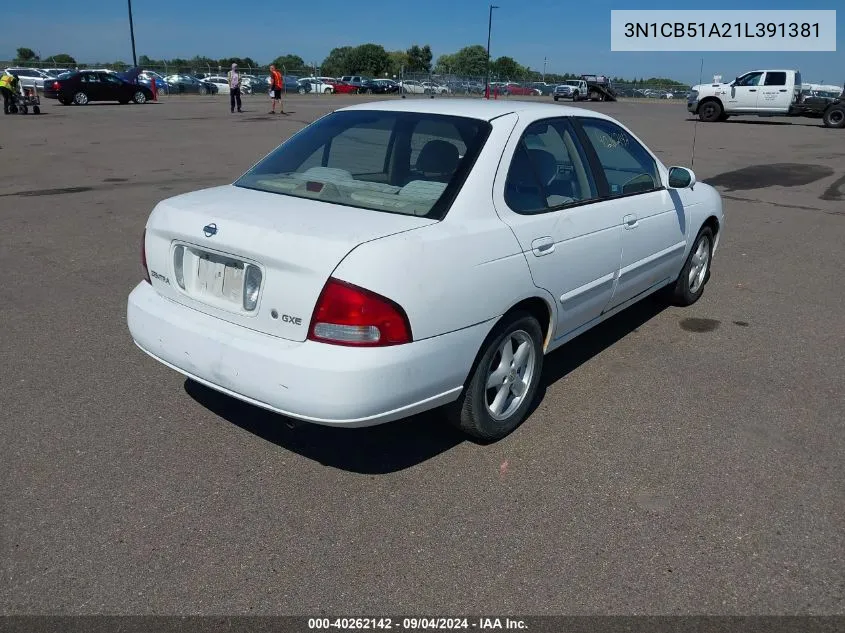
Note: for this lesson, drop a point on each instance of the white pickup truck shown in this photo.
(760, 92)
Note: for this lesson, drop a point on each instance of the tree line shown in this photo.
(368, 59)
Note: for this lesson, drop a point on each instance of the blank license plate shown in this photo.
(220, 278)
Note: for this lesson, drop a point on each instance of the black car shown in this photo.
(185, 84)
(84, 86)
(378, 86)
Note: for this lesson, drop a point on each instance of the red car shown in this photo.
(340, 87)
(516, 89)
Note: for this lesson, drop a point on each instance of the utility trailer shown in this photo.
(599, 88)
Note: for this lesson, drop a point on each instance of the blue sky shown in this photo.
(573, 36)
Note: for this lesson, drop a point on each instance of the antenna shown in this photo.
(695, 127)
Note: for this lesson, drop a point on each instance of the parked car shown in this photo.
(303, 87)
(544, 88)
(275, 289)
(410, 86)
(379, 86)
(354, 80)
(222, 83)
(519, 90)
(82, 87)
(30, 76)
(339, 87)
(435, 88)
(146, 77)
(318, 85)
(185, 84)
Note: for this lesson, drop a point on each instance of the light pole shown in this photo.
(489, 28)
(544, 70)
(132, 34)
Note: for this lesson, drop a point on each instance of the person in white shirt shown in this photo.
(234, 78)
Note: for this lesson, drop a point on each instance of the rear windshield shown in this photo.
(395, 162)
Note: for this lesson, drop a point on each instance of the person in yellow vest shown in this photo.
(9, 86)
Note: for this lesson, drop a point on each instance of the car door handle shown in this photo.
(630, 221)
(753, 90)
(782, 90)
(543, 246)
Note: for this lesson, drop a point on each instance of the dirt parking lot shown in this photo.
(680, 460)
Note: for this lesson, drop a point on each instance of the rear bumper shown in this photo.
(315, 382)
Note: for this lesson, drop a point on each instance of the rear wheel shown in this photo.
(834, 116)
(302, 91)
(23, 109)
(503, 381)
(710, 111)
(203, 90)
(80, 98)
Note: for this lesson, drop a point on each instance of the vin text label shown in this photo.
(693, 30)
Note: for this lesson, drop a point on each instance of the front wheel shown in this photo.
(556, 97)
(574, 97)
(709, 111)
(139, 97)
(834, 116)
(203, 90)
(696, 271)
(36, 109)
(302, 91)
(504, 379)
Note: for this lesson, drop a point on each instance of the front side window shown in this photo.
(751, 79)
(396, 162)
(627, 165)
(549, 170)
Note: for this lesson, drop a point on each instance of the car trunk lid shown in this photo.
(209, 248)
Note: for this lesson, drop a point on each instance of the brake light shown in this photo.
(57, 85)
(349, 315)
(144, 258)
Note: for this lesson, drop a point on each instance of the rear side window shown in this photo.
(775, 79)
(627, 165)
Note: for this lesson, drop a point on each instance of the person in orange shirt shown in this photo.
(275, 90)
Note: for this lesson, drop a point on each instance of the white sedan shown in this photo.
(398, 256)
(221, 82)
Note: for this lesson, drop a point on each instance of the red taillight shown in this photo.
(144, 258)
(349, 315)
(57, 85)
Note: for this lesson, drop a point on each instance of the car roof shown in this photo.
(483, 109)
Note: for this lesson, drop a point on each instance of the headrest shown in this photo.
(438, 157)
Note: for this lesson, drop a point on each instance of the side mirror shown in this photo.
(681, 178)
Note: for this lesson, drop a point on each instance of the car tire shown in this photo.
(689, 286)
(301, 91)
(555, 97)
(36, 109)
(80, 98)
(139, 97)
(834, 116)
(474, 412)
(575, 96)
(710, 111)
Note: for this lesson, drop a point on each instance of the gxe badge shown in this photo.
(210, 229)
